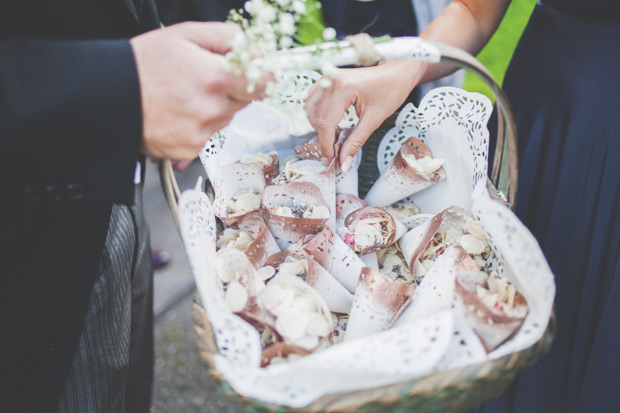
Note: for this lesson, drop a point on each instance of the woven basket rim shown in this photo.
(426, 387)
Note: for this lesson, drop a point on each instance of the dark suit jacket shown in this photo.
(70, 126)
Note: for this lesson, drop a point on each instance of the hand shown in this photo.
(186, 93)
(375, 92)
(180, 166)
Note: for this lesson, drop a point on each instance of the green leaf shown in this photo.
(311, 25)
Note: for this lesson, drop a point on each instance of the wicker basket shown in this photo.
(454, 390)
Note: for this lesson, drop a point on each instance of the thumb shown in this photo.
(365, 127)
(216, 37)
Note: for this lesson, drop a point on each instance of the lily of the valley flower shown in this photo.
(272, 25)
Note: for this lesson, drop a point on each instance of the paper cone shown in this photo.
(399, 180)
(436, 291)
(310, 150)
(377, 303)
(263, 244)
(326, 180)
(416, 220)
(270, 171)
(401, 229)
(231, 180)
(345, 204)
(415, 242)
(338, 299)
(347, 179)
(301, 315)
(490, 323)
(288, 230)
(336, 257)
(465, 348)
(371, 212)
(239, 286)
(213, 155)
(281, 351)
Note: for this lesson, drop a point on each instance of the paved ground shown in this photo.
(181, 380)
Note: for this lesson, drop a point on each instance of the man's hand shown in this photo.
(187, 95)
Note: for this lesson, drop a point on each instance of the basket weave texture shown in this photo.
(457, 390)
(447, 391)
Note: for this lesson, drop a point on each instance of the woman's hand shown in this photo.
(375, 92)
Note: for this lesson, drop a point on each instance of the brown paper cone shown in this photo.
(288, 230)
(436, 291)
(338, 299)
(282, 350)
(377, 303)
(415, 242)
(336, 257)
(232, 180)
(270, 171)
(345, 204)
(263, 245)
(490, 324)
(360, 213)
(399, 180)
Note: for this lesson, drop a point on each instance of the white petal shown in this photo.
(317, 326)
(236, 296)
(224, 272)
(292, 324)
(266, 272)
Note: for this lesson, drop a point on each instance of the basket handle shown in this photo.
(504, 172)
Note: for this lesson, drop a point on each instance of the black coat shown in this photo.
(70, 127)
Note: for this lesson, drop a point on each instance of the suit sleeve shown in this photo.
(70, 119)
(177, 11)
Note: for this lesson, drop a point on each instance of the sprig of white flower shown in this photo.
(270, 26)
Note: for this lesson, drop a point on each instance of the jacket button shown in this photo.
(32, 194)
(53, 192)
(75, 192)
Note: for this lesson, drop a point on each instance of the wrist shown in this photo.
(410, 71)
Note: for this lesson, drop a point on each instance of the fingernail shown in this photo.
(346, 165)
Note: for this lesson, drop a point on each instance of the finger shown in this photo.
(182, 164)
(222, 113)
(312, 103)
(243, 90)
(213, 126)
(314, 89)
(216, 37)
(327, 116)
(365, 127)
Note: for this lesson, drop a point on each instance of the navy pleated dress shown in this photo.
(564, 86)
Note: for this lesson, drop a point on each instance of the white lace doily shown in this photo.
(453, 124)
(403, 353)
(409, 350)
(523, 264)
